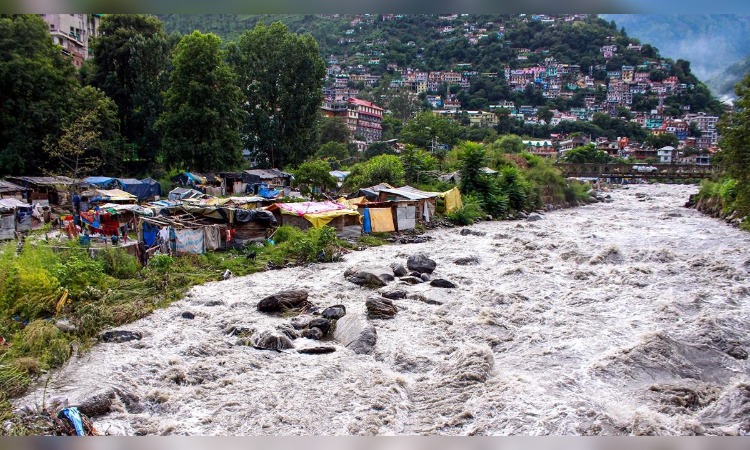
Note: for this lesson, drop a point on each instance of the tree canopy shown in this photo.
(202, 117)
(280, 74)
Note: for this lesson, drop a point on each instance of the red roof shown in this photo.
(360, 102)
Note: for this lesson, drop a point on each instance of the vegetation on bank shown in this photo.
(729, 196)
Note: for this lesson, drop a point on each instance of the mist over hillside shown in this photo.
(711, 42)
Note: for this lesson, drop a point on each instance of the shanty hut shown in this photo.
(47, 190)
(10, 190)
(346, 221)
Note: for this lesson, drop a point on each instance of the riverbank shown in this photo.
(510, 350)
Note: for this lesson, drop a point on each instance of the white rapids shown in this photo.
(629, 317)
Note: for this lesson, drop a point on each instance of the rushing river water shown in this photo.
(628, 317)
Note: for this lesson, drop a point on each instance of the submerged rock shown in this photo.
(421, 263)
(188, 315)
(411, 280)
(467, 261)
(300, 322)
(271, 340)
(533, 217)
(442, 283)
(283, 301)
(102, 403)
(316, 350)
(120, 336)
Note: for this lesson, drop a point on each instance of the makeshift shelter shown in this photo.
(205, 182)
(10, 190)
(371, 193)
(233, 183)
(272, 177)
(304, 215)
(451, 200)
(141, 190)
(101, 182)
(47, 190)
(100, 196)
(415, 206)
(15, 215)
(183, 193)
(154, 188)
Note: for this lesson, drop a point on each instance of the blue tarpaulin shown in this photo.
(133, 186)
(74, 416)
(102, 182)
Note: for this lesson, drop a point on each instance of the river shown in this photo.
(628, 317)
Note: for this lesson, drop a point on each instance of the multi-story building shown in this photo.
(72, 32)
(364, 119)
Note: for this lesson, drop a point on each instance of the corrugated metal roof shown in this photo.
(7, 186)
(44, 181)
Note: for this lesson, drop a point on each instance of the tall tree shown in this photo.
(36, 84)
(202, 117)
(334, 129)
(130, 57)
(281, 76)
(90, 141)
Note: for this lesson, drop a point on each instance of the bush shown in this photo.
(42, 340)
(319, 244)
(468, 213)
(119, 264)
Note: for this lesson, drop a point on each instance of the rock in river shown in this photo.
(368, 277)
(356, 333)
(284, 300)
(380, 307)
(421, 263)
(334, 312)
(120, 336)
(442, 283)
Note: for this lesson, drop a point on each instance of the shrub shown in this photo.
(42, 340)
(319, 244)
(468, 213)
(119, 264)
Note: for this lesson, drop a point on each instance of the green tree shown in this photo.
(314, 174)
(335, 153)
(89, 141)
(281, 75)
(472, 159)
(378, 148)
(334, 129)
(734, 159)
(587, 154)
(427, 127)
(36, 84)
(202, 117)
(380, 169)
(131, 57)
(662, 140)
(418, 164)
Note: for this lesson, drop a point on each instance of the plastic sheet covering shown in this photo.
(212, 236)
(367, 221)
(452, 199)
(7, 227)
(190, 241)
(255, 215)
(149, 234)
(24, 219)
(382, 220)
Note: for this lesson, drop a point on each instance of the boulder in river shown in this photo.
(101, 403)
(302, 321)
(334, 312)
(380, 307)
(320, 323)
(356, 333)
(188, 315)
(398, 269)
(271, 340)
(120, 336)
(411, 280)
(312, 333)
(283, 301)
(421, 263)
(368, 277)
(442, 283)
(393, 294)
(533, 217)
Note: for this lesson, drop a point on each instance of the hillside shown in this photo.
(711, 42)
